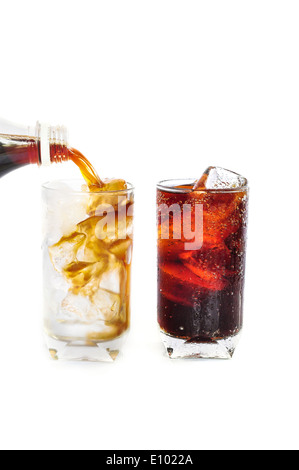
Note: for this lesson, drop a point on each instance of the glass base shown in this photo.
(181, 349)
(72, 350)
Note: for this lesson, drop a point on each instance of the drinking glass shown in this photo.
(87, 256)
(201, 266)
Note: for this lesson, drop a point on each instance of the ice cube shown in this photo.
(92, 250)
(85, 277)
(111, 229)
(75, 308)
(64, 252)
(219, 178)
(79, 308)
(64, 209)
(109, 199)
(114, 185)
(114, 278)
(106, 305)
(122, 249)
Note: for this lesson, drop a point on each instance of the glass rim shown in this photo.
(69, 190)
(162, 186)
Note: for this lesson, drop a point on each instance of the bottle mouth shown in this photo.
(51, 135)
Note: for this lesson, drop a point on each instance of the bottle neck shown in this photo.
(53, 146)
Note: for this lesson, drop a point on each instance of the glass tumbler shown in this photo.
(87, 256)
(201, 267)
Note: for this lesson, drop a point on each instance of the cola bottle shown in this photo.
(41, 145)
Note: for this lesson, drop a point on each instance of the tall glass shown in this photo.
(87, 255)
(201, 267)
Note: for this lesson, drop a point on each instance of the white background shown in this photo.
(152, 90)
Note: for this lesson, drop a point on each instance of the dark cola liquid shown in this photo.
(200, 292)
(16, 152)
